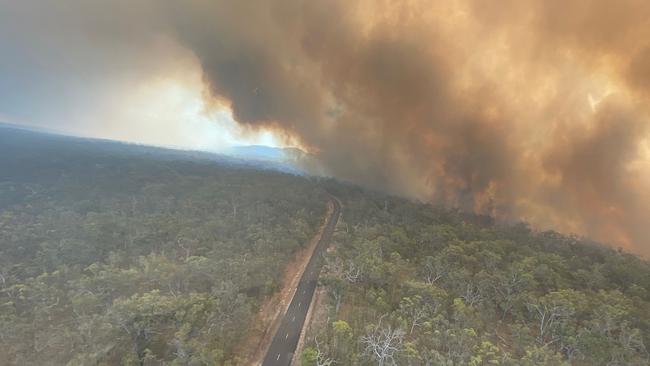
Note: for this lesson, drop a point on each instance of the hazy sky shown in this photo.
(523, 109)
(96, 68)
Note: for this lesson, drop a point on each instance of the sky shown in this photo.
(534, 110)
(63, 69)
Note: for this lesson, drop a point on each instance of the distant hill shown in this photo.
(14, 139)
(259, 152)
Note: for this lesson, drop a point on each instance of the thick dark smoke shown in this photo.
(523, 109)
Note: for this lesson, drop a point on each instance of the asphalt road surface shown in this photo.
(286, 339)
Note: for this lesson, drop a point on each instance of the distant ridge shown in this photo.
(254, 156)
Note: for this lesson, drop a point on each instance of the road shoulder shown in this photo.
(269, 317)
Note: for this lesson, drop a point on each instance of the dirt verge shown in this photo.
(268, 318)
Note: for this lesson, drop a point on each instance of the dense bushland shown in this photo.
(115, 254)
(412, 284)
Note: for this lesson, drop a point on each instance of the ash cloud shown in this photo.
(534, 110)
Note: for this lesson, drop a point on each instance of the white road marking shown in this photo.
(277, 358)
(294, 319)
(287, 336)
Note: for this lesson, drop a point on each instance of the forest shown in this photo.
(115, 254)
(413, 284)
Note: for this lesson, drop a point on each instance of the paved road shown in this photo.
(286, 339)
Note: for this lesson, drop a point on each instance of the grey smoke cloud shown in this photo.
(531, 109)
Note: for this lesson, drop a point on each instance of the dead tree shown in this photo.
(383, 344)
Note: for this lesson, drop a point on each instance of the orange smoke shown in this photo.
(530, 110)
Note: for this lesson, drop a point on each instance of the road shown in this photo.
(286, 338)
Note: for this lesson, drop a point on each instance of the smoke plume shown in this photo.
(523, 109)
